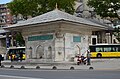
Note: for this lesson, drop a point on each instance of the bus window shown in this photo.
(112, 49)
(116, 49)
(16, 51)
(99, 49)
(107, 49)
(92, 49)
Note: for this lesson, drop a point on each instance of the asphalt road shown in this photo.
(58, 74)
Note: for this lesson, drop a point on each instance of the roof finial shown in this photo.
(56, 6)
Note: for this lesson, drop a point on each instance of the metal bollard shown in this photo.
(2, 66)
(54, 67)
(91, 68)
(22, 67)
(37, 67)
(11, 66)
(72, 68)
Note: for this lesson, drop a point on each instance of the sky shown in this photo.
(4, 1)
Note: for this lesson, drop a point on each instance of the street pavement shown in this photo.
(96, 64)
(58, 74)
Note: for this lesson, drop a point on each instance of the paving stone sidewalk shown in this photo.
(96, 64)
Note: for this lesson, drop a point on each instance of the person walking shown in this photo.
(0, 59)
(11, 57)
(21, 56)
(88, 57)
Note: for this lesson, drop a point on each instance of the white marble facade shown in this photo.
(58, 49)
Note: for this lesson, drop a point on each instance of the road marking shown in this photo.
(18, 77)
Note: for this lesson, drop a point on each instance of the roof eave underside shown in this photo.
(44, 23)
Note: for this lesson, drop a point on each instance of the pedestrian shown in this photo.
(0, 59)
(78, 60)
(88, 57)
(21, 56)
(17, 56)
(11, 57)
(82, 58)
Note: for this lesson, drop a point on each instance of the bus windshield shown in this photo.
(16, 52)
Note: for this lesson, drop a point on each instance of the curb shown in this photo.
(55, 68)
(43, 67)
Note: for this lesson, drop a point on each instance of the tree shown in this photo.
(19, 39)
(38, 7)
(24, 7)
(105, 8)
(117, 33)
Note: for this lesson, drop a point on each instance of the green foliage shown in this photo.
(37, 7)
(24, 7)
(105, 8)
(66, 5)
(117, 33)
(19, 39)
